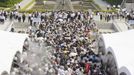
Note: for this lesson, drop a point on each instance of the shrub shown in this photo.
(32, 10)
(8, 3)
(114, 2)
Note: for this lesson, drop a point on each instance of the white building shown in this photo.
(121, 45)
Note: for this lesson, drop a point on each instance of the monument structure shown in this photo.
(63, 5)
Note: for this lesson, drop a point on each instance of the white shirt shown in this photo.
(69, 71)
(73, 14)
(61, 72)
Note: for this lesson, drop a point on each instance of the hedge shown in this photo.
(114, 2)
(8, 3)
(107, 11)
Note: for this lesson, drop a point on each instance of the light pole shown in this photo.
(119, 7)
(114, 6)
(81, 5)
(132, 5)
(63, 4)
(108, 7)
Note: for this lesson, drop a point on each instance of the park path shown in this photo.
(24, 3)
(103, 5)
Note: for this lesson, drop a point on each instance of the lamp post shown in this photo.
(81, 5)
(118, 6)
(63, 3)
(114, 6)
(108, 7)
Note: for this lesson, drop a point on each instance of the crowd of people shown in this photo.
(107, 16)
(73, 37)
(122, 14)
(3, 16)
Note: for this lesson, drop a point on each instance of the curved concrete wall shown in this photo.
(125, 70)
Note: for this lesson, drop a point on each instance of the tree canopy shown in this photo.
(114, 2)
(8, 3)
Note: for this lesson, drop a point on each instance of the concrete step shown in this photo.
(104, 25)
(20, 25)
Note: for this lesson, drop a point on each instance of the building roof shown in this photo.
(121, 45)
(10, 43)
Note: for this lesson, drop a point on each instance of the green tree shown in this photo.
(114, 2)
(8, 3)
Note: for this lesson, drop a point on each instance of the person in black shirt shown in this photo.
(23, 17)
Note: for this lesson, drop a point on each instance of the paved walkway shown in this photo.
(24, 3)
(30, 7)
(5, 26)
(103, 5)
(54, 2)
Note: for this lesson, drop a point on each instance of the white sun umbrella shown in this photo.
(72, 54)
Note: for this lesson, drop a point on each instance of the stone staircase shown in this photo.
(105, 28)
(20, 26)
(63, 5)
(39, 5)
(89, 5)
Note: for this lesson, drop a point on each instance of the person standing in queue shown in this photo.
(19, 18)
(23, 17)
